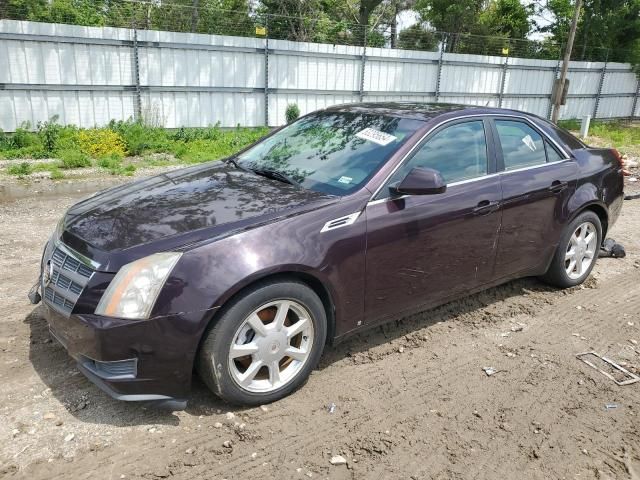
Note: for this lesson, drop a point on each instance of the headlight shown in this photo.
(135, 288)
(59, 228)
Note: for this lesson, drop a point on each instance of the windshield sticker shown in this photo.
(528, 141)
(345, 179)
(375, 136)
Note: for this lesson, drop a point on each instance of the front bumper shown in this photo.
(147, 360)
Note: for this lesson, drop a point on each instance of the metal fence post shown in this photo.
(600, 84)
(439, 74)
(137, 112)
(266, 73)
(505, 67)
(553, 86)
(635, 100)
(363, 63)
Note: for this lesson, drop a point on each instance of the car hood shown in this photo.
(184, 206)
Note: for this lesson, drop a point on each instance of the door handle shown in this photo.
(486, 207)
(557, 186)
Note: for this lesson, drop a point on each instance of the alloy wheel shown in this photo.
(271, 346)
(581, 250)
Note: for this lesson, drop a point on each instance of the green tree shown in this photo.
(607, 29)
(457, 17)
(508, 18)
(416, 37)
(335, 21)
(295, 20)
(76, 12)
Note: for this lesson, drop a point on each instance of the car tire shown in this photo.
(228, 377)
(558, 274)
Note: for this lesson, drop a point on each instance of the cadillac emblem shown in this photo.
(47, 274)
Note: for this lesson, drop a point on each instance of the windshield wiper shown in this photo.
(275, 174)
(234, 162)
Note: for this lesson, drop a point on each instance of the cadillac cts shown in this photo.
(244, 269)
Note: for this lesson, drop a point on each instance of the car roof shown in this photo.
(419, 110)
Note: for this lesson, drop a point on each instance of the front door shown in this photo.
(422, 250)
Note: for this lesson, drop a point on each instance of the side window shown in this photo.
(458, 152)
(552, 153)
(521, 145)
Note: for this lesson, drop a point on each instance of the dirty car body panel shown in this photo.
(371, 256)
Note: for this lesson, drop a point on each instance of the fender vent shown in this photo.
(340, 222)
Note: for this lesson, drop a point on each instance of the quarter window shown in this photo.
(521, 145)
(552, 154)
(458, 152)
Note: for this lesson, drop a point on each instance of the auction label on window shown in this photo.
(375, 136)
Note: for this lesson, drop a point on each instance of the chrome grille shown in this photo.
(68, 278)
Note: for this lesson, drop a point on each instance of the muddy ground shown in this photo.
(412, 399)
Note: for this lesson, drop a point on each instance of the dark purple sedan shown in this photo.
(347, 218)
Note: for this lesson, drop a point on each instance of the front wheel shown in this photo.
(265, 344)
(577, 251)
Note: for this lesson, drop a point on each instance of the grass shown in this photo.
(624, 136)
(21, 169)
(111, 147)
(617, 133)
(73, 159)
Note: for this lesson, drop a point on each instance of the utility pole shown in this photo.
(194, 16)
(565, 62)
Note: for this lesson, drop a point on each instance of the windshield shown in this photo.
(331, 152)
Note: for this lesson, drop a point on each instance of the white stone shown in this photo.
(338, 460)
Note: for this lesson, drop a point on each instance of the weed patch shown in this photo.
(21, 169)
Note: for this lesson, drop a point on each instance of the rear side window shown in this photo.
(521, 145)
(552, 153)
(569, 140)
(458, 152)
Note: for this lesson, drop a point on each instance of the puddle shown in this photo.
(45, 189)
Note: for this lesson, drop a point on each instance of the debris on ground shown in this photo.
(331, 408)
(611, 248)
(338, 460)
(610, 406)
(624, 377)
(490, 371)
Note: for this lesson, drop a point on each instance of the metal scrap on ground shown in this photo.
(631, 378)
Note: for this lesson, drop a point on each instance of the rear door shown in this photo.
(424, 249)
(538, 179)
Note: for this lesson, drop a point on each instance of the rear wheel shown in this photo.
(577, 251)
(265, 345)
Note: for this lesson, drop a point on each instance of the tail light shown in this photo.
(620, 160)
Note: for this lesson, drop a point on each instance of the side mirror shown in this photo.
(420, 181)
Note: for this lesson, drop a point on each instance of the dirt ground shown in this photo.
(411, 399)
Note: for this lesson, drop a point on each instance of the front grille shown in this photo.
(63, 282)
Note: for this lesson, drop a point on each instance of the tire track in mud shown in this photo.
(244, 466)
(565, 312)
(562, 315)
